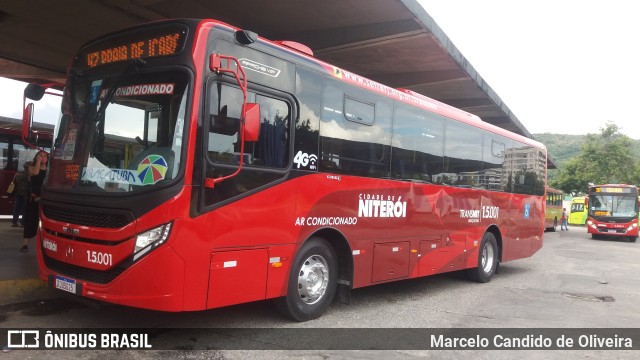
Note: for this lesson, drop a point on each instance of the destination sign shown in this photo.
(618, 190)
(146, 43)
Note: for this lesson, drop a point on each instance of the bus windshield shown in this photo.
(577, 207)
(120, 133)
(613, 206)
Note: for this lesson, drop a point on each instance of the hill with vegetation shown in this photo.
(608, 157)
(563, 147)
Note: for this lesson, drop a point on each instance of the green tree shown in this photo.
(606, 158)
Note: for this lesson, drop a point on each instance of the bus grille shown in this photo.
(611, 231)
(86, 217)
(81, 273)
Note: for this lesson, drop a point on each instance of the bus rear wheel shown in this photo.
(487, 260)
(312, 282)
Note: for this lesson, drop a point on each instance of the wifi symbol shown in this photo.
(313, 159)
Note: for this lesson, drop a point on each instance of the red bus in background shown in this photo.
(613, 211)
(14, 153)
(198, 166)
(553, 209)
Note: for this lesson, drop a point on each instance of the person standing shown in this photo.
(563, 220)
(21, 192)
(37, 172)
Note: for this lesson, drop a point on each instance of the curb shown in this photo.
(22, 290)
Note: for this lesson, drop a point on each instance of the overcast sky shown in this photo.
(47, 110)
(562, 66)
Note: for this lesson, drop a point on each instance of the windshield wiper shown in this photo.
(98, 120)
(133, 64)
(74, 76)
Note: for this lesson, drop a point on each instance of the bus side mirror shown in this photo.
(251, 116)
(34, 92)
(27, 121)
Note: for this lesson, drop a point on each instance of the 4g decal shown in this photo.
(305, 160)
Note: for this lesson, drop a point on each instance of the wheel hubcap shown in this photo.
(487, 258)
(313, 279)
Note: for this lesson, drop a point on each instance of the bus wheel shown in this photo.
(633, 238)
(487, 260)
(312, 281)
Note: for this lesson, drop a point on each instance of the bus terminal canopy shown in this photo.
(394, 42)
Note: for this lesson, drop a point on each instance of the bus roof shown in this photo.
(11, 125)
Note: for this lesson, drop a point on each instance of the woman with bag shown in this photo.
(20, 192)
(37, 172)
(12, 186)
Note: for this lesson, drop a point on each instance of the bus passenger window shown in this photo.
(354, 134)
(4, 155)
(224, 109)
(463, 156)
(418, 141)
(272, 147)
(260, 158)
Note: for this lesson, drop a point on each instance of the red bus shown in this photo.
(14, 153)
(613, 211)
(553, 209)
(240, 169)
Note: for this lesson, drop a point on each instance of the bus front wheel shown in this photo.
(312, 281)
(487, 260)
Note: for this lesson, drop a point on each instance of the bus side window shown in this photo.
(272, 147)
(264, 161)
(463, 155)
(4, 155)
(224, 127)
(493, 157)
(354, 132)
(418, 144)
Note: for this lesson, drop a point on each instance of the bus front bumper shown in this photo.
(600, 228)
(134, 287)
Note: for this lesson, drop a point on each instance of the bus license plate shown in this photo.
(65, 284)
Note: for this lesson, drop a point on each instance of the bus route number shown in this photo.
(490, 212)
(99, 258)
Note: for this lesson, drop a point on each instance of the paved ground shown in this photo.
(18, 271)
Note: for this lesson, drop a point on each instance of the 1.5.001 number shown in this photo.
(490, 212)
(99, 258)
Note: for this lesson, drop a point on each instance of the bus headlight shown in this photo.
(150, 239)
(632, 226)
